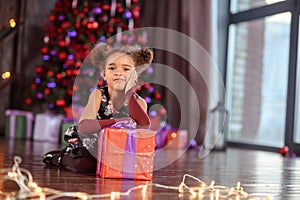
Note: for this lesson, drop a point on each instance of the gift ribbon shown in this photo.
(29, 117)
(129, 155)
(130, 148)
(128, 124)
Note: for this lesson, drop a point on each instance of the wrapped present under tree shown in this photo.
(18, 124)
(47, 127)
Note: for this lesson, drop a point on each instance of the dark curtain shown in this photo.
(193, 18)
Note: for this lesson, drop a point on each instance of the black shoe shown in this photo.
(52, 157)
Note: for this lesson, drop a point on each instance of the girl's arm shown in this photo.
(91, 109)
(138, 111)
(137, 106)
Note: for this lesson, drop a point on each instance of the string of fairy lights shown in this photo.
(30, 189)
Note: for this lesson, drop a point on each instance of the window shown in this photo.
(262, 91)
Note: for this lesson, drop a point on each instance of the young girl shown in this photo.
(117, 101)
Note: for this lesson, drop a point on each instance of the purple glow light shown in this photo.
(152, 113)
(51, 84)
(75, 98)
(97, 10)
(148, 99)
(38, 80)
(150, 70)
(51, 105)
(151, 89)
(39, 95)
(61, 17)
(46, 57)
(72, 33)
(102, 38)
(127, 15)
(129, 39)
(92, 89)
(71, 57)
(53, 52)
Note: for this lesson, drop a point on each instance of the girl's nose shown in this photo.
(119, 71)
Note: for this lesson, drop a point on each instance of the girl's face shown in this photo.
(118, 70)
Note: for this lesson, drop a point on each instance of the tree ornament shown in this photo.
(44, 50)
(28, 101)
(60, 102)
(62, 55)
(157, 95)
(51, 18)
(50, 73)
(105, 7)
(38, 69)
(37, 80)
(284, 150)
(33, 86)
(46, 91)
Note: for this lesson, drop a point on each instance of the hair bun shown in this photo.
(98, 53)
(143, 56)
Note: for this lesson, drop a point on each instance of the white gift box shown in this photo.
(47, 127)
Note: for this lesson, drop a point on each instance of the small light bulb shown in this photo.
(82, 196)
(173, 135)
(38, 190)
(144, 191)
(12, 23)
(33, 184)
(180, 188)
(217, 194)
(114, 195)
(6, 75)
(10, 174)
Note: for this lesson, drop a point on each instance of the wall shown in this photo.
(20, 50)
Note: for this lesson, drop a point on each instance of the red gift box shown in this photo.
(126, 153)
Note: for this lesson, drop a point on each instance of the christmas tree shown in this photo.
(73, 28)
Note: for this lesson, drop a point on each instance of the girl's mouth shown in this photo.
(118, 79)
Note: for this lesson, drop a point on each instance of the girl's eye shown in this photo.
(111, 67)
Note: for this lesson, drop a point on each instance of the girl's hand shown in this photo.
(73, 140)
(132, 82)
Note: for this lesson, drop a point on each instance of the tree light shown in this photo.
(6, 75)
(12, 23)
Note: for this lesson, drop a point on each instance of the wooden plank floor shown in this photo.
(259, 172)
